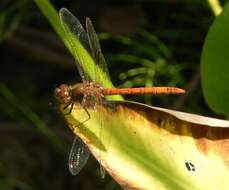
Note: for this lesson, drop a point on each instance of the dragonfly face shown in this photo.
(63, 93)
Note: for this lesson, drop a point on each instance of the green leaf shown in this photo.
(145, 147)
(214, 64)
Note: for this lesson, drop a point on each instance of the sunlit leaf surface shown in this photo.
(146, 147)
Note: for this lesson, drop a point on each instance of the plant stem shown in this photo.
(215, 6)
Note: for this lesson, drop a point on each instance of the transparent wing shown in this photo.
(74, 32)
(78, 156)
(101, 63)
(96, 51)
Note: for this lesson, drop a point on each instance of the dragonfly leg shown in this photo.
(89, 117)
(71, 104)
(88, 114)
(102, 171)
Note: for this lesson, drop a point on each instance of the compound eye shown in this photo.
(66, 93)
(56, 91)
(62, 94)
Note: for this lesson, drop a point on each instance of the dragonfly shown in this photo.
(90, 92)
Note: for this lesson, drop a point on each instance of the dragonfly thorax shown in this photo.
(66, 94)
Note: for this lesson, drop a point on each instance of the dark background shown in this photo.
(155, 42)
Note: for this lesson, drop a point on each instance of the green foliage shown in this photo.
(11, 17)
(214, 64)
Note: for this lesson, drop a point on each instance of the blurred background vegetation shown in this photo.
(146, 43)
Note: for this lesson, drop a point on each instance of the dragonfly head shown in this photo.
(62, 94)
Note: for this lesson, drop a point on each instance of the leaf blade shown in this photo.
(149, 147)
(214, 64)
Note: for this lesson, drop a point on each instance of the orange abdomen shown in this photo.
(143, 90)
